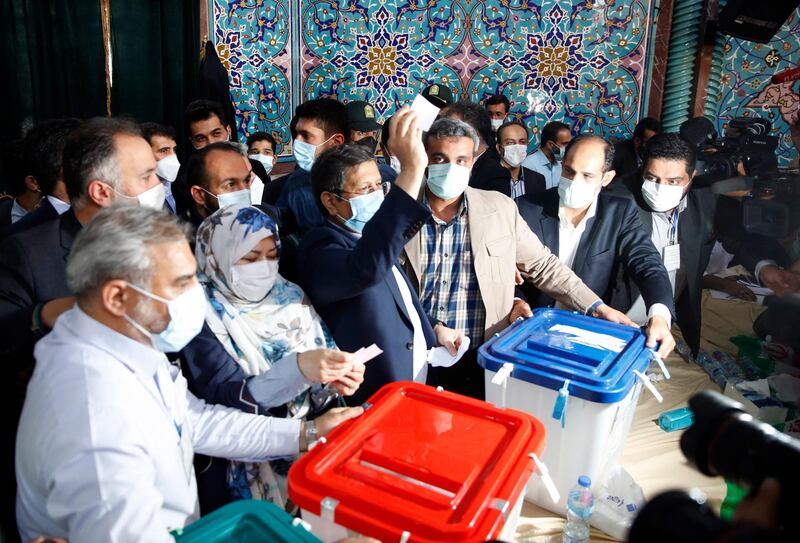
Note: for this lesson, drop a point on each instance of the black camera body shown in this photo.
(725, 440)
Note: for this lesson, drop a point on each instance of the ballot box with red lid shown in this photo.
(420, 465)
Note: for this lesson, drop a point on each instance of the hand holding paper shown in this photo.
(441, 357)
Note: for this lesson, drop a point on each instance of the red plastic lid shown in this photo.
(440, 466)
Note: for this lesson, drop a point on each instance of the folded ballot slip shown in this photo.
(440, 357)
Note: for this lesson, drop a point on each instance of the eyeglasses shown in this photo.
(369, 189)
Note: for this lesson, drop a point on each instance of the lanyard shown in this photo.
(673, 227)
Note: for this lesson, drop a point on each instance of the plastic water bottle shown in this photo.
(580, 505)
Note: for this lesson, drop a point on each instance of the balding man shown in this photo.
(598, 234)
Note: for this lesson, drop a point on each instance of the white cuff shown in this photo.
(660, 310)
(761, 265)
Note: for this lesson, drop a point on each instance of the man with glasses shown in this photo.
(547, 159)
(348, 266)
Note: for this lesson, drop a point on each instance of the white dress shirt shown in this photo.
(569, 237)
(17, 211)
(58, 205)
(107, 434)
(665, 233)
(538, 162)
(420, 347)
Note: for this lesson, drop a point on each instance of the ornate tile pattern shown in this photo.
(746, 89)
(581, 60)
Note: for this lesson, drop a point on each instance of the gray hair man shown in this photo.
(464, 259)
(115, 461)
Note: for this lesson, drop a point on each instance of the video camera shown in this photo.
(725, 440)
(772, 207)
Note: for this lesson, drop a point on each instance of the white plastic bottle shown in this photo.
(580, 505)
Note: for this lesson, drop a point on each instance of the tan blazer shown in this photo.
(502, 242)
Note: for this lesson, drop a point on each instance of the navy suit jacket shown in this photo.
(534, 184)
(614, 241)
(33, 267)
(44, 213)
(349, 280)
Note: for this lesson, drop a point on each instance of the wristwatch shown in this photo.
(311, 433)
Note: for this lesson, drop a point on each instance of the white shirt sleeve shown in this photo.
(230, 433)
(660, 310)
(761, 265)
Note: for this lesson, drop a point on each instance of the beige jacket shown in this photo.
(501, 242)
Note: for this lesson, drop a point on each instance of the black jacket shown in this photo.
(535, 184)
(613, 243)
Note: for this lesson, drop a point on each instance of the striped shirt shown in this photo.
(518, 185)
(449, 289)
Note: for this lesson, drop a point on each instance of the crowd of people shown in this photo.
(181, 331)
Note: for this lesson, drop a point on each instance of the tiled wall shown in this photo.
(585, 61)
(746, 88)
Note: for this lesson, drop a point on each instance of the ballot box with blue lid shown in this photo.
(581, 377)
(245, 521)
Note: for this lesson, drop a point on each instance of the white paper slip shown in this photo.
(426, 112)
(365, 354)
(590, 339)
(440, 357)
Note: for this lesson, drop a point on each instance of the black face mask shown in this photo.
(369, 143)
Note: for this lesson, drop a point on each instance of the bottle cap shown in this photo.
(584, 481)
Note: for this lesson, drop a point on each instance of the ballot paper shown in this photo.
(440, 357)
(426, 112)
(365, 354)
(588, 338)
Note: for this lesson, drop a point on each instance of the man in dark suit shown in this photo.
(349, 266)
(599, 235)
(43, 149)
(680, 221)
(105, 160)
(628, 153)
(512, 145)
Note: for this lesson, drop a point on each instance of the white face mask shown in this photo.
(187, 313)
(240, 197)
(153, 198)
(497, 123)
(660, 197)
(256, 190)
(167, 168)
(253, 281)
(576, 194)
(266, 160)
(448, 181)
(515, 154)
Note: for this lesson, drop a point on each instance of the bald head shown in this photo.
(589, 159)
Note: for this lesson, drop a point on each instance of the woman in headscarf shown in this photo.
(266, 323)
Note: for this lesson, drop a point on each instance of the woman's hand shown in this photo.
(348, 384)
(325, 365)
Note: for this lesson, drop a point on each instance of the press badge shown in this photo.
(672, 257)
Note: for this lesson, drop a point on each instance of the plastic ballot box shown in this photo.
(581, 377)
(420, 465)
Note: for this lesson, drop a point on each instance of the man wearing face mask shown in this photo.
(162, 141)
(218, 176)
(464, 258)
(116, 462)
(206, 124)
(105, 160)
(512, 144)
(547, 159)
(318, 125)
(498, 107)
(364, 130)
(680, 220)
(349, 267)
(598, 235)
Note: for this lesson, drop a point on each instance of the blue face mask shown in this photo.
(187, 313)
(448, 181)
(305, 153)
(363, 209)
